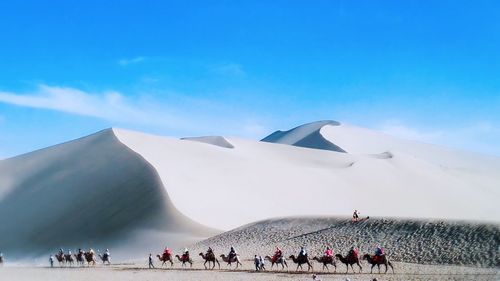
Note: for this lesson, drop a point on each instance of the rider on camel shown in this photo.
(328, 252)
(278, 254)
(353, 251)
(167, 252)
(379, 252)
(232, 253)
(302, 252)
(185, 255)
(210, 252)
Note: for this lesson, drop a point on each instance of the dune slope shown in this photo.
(87, 192)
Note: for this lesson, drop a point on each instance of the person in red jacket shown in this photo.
(278, 254)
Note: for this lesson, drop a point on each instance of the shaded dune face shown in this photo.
(85, 191)
(307, 135)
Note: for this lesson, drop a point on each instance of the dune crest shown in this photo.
(213, 140)
(307, 135)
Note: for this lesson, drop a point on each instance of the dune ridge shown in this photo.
(89, 192)
(307, 135)
(405, 240)
(213, 140)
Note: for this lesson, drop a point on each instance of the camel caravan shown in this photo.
(302, 260)
(352, 260)
(81, 258)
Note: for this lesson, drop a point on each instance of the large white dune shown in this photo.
(124, 180)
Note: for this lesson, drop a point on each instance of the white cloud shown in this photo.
(108, 105)
(177, 114)
(125, 62)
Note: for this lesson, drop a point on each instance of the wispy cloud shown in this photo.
(108, 105)
(180, 114)
(125, 62)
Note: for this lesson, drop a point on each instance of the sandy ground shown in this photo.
(139, 272)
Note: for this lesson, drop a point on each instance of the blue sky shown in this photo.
(424, 70)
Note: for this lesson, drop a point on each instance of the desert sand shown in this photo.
(139, 272)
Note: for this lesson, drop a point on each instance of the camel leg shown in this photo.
(371, 270)
(309, 266)
(360, 268)
(347, 265)
(352, 269)
(217, 263)
(378, 265)
(390, 264)
(385, 268)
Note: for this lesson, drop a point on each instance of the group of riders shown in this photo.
(278, 254)
(80, 256)
(328, 253)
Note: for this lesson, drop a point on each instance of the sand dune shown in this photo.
(307, 135)
(92, 191)
(118, 182)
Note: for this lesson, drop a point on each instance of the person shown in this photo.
(185, 255)
(256, 261)
(379, 252)
(91, 251)
(1, 259)
(166, 253)
(302, 252)
(151, 265)
(328, 252)
(277, 254)
(232, 253)
(69, 252)
(61, 252)
(210, 252)
(262, 265)
(355, 215)
(106, 254)
(51, 260)
(353, 252)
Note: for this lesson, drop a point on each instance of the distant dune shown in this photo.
(116, 184)
(307, 135)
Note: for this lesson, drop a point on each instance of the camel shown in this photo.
(235, 259)
(69, 259)
(381, 260)
(185, 259)
(300, 261)
(279, 261)
(1, 260)
(60, 259)
(165, 258)
(326, 261)
(105, 258)
(80, 258)
(89, 257)
(209, 258)
(349, 260)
